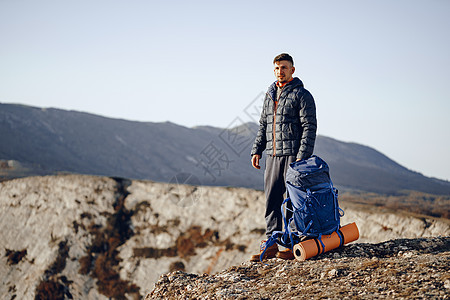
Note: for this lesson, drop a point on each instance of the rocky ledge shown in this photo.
(396, 269)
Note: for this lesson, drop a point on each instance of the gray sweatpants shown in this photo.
(274, 188)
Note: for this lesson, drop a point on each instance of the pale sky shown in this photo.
(378, 70)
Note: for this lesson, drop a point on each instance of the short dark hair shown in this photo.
(283, 56)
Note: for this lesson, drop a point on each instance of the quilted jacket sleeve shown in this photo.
(308, 122)
(261, 139)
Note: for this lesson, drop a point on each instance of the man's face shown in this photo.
(283, 71)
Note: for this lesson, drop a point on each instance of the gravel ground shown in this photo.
(396, 269)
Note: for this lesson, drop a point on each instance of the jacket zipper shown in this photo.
(274, 127)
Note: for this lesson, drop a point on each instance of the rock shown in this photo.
(96, 237)
(378, 273)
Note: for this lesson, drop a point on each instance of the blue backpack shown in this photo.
(314, 202)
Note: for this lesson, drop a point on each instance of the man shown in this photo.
(287, 131)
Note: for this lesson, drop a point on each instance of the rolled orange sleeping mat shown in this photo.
(313, 247)
(350, 232)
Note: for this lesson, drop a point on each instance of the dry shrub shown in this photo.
(14, 257)
(102, 257)
(149, 252)
(85, 265)
(50, 289)
(185, 247)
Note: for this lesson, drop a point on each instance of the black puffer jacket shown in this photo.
(295, 122)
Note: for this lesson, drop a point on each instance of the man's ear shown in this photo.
(293, 69)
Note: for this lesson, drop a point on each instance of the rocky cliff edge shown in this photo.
(88, 237)
(396, 269)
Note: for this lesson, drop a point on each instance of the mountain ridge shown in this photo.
(50, 140)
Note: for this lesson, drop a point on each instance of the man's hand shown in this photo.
(255, 161)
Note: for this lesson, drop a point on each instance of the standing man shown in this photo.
(287, 131)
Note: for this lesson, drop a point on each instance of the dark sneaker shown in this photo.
(271, 252)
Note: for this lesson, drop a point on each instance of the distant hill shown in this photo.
(47, 141)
